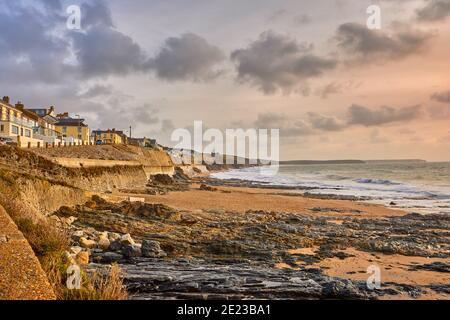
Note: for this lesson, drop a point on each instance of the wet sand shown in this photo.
(239, 199)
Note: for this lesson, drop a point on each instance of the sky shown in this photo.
(313, 69)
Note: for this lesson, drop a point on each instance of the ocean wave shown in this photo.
(377, 181)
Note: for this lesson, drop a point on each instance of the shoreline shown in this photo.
(270, 235)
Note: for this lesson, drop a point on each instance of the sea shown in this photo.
(414, 186)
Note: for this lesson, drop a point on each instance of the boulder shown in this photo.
(152, 249)
(126, 239)
(112, 236)
(88, 244)
(115, 245)
(131, 251)
(104, 244)
(103, 241)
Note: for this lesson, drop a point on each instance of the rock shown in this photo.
(163, 179)
(112, 236)
(69, 221)
(111, 257)
(152, 249)
(77, 235)
(91, 204)
(126, 239)
(436, 266)
(131, 251)
(103, 241)
(104, 244)
(115, 245)
(88, 244)
(82, 258)
(75, 250)
(204, 187)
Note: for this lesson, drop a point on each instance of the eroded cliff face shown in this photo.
(45, 185)
(45, 197)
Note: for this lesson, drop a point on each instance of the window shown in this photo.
(2, 128)
(15, 129)
(21, 132)
(64, 129)
(79, 130)
(28, 133)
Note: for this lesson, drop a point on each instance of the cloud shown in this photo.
(188, 57)
(434, 10)
(96, 90)
(96, 13)
(443, 97)
(277, 63)
(103, 51)
(362, 44)
(288, 127)
(329, 89)
(325, 123)
(360, 115)
(28, 52)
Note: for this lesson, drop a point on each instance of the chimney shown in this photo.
(6, 99)
(19, 105)
(52, 108)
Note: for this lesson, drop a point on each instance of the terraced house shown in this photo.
(17, 124)
(110, 136)
(46, 128)
(72, 129)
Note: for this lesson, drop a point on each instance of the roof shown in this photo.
(70, 122)
(108, 131)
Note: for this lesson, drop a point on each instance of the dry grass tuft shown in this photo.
(50, 243)
(96, 286)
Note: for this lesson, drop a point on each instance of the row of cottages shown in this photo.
(110, 136)
(36, 127)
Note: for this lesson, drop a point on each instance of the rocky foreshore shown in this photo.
(172, 253)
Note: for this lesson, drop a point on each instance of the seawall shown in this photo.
(21, 275)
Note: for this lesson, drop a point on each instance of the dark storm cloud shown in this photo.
(434, 10)
(27, 51)
(104, 51)
(443, 97)
(188, 57)
(39, 47)
(360, 115)
(277, 63)
(359, 42)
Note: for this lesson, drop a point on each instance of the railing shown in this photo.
(46, 132)
(24, 123)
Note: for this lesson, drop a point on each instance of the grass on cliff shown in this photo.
(50, 243)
